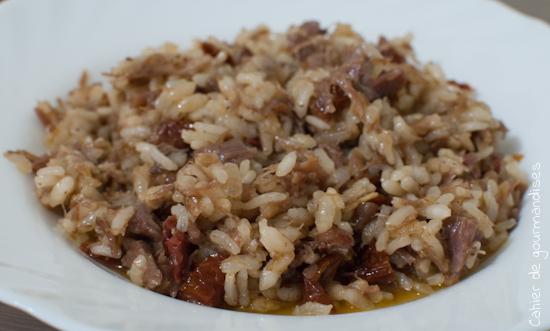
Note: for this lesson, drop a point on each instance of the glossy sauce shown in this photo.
(399, 296)
(111, 264)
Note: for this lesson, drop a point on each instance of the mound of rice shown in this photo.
(305, 168)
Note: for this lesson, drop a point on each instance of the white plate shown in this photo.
(44, 45)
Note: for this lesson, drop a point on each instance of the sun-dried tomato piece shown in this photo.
(204, 285)
(317, 275)
(177, 248)
(375, 267)
(333, 239)
(169, 132)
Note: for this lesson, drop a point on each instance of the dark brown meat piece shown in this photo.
(236, 54)
(363, 214)
(375, 267)
(169, 132)
(205, 284)
(310, 50)
(209, 48)
(388, 51)
(330, 96)
(152, 276)
(332, 240)
(304, 32)
(158, 64)
(143, 224)
(233, 150)
(317, 53)
(460, 233)
(177, 248)
(317, 275)
(387, 84)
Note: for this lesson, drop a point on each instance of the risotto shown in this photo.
(309, 169)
